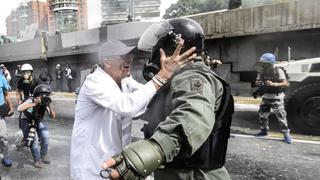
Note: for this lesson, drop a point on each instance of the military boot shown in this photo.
(263, 132)
(287, 138)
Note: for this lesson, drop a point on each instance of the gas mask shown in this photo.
(27, 76)
(264, 67)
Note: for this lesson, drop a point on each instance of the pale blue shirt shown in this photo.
(3, 88)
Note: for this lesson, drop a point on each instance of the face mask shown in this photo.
(27, 76)
(264, 67)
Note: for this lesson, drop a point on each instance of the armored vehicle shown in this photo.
(303, 94)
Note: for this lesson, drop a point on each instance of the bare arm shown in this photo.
(51, 112)
(25, 106)
(8, 101)
(19, 96)
(283, 83)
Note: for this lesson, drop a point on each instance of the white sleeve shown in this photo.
(132, 84)
(282, 76)
(258, 77)
(8, 76)
(108, 96)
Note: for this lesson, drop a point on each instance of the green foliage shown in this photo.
(187, 7)
(250, 3)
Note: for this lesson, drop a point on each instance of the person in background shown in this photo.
(5, 110)
(274, 82)
(17, 73)
(69, 77)
(33, 110)
(45, 77)
(58, 73)
(25, 88)
(6, 74)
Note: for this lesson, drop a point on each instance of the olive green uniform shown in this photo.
(196, 95)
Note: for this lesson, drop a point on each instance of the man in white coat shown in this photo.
(103, 106)
(128, 85)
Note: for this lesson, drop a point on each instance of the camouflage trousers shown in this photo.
(276, 107)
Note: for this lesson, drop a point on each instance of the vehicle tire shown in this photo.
(303, 109)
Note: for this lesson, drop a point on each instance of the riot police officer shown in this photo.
(25, 88)
(188, 119)
(273, 82)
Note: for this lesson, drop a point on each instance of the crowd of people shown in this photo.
(33, 102)
(187, 106)
(45, 76)
(32, 94)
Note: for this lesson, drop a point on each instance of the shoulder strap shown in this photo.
(227, 103)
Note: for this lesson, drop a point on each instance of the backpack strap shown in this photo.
(226, 105)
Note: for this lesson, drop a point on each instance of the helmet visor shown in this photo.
(151, 36)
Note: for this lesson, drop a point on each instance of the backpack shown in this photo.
(285, 72)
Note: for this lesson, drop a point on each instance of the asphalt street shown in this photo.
(247, 157)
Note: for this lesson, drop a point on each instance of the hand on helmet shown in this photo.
(172, 63)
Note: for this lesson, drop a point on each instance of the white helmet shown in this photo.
(26, 67)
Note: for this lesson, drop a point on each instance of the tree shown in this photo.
(250, 3)
(188, 7)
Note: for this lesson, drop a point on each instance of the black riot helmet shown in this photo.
(166, 35)
(42, 90)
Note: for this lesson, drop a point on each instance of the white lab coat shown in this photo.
(97, 130)
(128, 85)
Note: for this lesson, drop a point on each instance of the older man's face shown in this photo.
(120, 68)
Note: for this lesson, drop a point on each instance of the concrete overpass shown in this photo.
(79, 49)
(238, 37)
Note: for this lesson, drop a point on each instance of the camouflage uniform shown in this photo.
(275, 106)
(273, 103)
(196, 96)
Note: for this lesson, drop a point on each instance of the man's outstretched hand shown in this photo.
(169, 64)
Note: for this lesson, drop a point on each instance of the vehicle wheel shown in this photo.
(303, 109)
